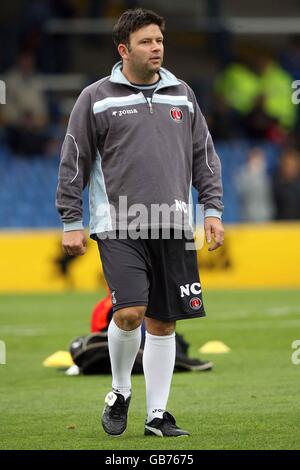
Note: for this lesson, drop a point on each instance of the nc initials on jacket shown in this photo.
(180, 206)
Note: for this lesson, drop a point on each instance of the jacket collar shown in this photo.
(166, 78)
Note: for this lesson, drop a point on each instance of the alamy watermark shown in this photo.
(295, 358)
(2, 352)
(296, 94)
(2, 92)
(179, 220)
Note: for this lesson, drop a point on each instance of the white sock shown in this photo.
(158, 363)
(123, 347)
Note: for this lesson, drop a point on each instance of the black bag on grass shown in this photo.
(90, 354)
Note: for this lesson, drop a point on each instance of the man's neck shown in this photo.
(141, 80)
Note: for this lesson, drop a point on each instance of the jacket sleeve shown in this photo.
(77, 155)
(206, 165)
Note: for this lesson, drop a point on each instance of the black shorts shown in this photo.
(159, 274)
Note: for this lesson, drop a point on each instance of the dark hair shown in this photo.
(132, 20)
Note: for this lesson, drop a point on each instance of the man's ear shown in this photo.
(123, 51)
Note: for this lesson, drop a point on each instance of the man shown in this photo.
(139, 133)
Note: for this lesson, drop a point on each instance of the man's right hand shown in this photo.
(74, 243)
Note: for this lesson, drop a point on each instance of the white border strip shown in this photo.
(77, 150)
(206, 156)
(180, 100)
(112, 102)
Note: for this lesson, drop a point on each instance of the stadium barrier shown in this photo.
(253, 256)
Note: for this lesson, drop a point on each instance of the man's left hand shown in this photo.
(214, 231)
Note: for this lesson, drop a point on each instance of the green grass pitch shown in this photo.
(249, 401)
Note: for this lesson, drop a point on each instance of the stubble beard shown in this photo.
(149, 71)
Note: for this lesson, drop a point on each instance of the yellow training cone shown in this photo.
(59, 359)
(214, 347)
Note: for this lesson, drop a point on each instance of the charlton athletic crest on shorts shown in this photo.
(195, 303)
(176, 114)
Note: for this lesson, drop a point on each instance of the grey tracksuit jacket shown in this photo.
(123, 145)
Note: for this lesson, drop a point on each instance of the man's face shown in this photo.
(145, 50)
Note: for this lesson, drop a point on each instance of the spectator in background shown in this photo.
(236, 89)
(290, 57)
(254, 188)
(223, 121)
(239, 87)
(27, 138)
(276, 87)
(26, 111)
(287, 186)
(290, 61)
(259, 98)
(258, 125)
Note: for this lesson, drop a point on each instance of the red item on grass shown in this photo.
(99, 320)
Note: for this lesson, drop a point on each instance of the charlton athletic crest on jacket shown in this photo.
(176, 114)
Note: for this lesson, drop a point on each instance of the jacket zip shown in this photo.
(150, 106)
(149, 102)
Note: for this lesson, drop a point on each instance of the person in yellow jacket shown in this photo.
(276, 87)
(240, 87)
